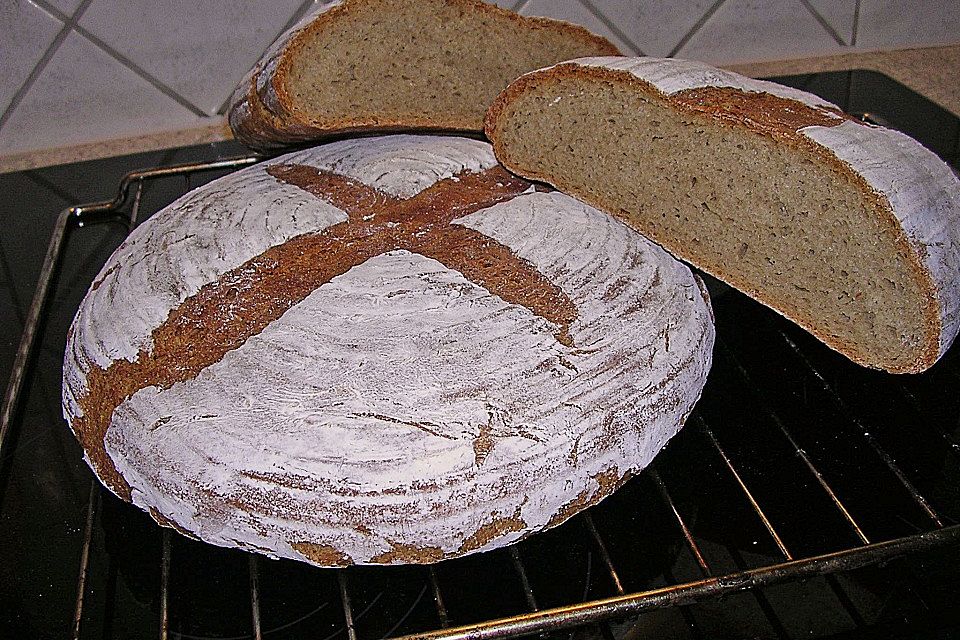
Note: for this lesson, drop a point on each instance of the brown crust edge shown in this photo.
(927, 355)
(166, 522)
(608, 482)
(260, 128)
(260, 132)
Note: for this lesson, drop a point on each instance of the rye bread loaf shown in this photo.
(395, 65)
(849, 229)
(383, 350)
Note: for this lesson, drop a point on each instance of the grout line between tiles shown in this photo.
(60, 15)
(68, 24)
(696, 27)
(294, 19)
(609, 24)
(140, 71)
(823, 22)
(856, 23)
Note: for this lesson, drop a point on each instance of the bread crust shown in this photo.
(265, 116)
(379, 363)
(908, 251)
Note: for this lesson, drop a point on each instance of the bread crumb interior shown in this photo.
(761, 215)
(418, 62)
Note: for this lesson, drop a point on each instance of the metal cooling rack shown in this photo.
(937, 528)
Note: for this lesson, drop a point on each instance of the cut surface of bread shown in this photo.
(379, 351)
(850, 230)
(390, 65)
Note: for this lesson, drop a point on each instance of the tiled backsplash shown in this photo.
(79, 71)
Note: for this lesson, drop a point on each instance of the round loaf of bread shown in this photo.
(383, 350)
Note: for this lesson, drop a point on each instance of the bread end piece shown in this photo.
(430, 66)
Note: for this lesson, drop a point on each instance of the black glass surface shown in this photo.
(769, 379)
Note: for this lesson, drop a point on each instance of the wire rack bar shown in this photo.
(85, 558)
(537, 621)
(347, 607)
(688, 536)
(255, 597)
(165, 585)
(746, 491)
(798, 450)
(888, 460)
(438, 598)
(555, 619)
(524, 581)
(93, 212)
(758, 595)
(604, 555)
(685, 612)
(11, 398)
(950, 439)
(134, 216)
(81, 215)
(705, 568)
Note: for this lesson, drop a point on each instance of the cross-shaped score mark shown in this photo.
(223, 314)
(424, 224)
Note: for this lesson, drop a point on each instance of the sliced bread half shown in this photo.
(850, 230)
(392, 65)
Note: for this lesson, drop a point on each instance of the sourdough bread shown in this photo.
(849, 229)
(393, 65)
(383, 350)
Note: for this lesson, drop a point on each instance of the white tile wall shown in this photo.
(579, 13)
(840, 15)
(26, 33)
(656, 26)
(67, 7)
(748, 30)
(886, 23)
(201, 50)
(84, 94)
(77, 71)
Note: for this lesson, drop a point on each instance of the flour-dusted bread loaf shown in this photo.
(382, 350)
(393, 65)
(850, 230)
